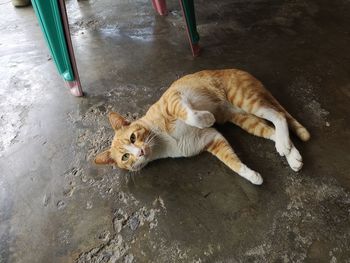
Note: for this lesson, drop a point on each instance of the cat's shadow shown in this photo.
(257, 153)
(204, 176)
(202, 199)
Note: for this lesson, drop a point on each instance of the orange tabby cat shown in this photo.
(180, 123)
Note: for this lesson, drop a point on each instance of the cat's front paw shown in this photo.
(256, 178)
(294, 159)
(201, 119)
(250, 175)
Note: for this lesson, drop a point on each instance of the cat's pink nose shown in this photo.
(141, 153)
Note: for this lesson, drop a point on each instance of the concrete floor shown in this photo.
(55, 206)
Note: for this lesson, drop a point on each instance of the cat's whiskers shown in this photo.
(131, 175)
(148, 142)
(138, 165)
(151, 139)
(133, 178)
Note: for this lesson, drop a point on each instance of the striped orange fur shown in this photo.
(179, 123)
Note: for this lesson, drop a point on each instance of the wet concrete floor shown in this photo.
(55, 206)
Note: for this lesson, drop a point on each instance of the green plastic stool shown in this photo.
(53, 20)
(188, 12)
(52, 17)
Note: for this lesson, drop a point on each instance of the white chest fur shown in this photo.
(184, 141)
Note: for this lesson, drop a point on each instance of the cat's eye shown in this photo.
(125, 157)
(132, 138)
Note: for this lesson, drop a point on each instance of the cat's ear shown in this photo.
(117, 121)
(104, 158)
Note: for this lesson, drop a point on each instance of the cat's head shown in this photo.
(131, 147)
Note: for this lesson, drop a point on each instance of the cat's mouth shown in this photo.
(142, 159)
(140, 163)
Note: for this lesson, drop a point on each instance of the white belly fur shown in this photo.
(184, 141)
(190, 140)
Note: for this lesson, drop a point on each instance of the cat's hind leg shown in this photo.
(261, 128)
(224, 152)
(251, 97)
(282, 140)
(254, 125)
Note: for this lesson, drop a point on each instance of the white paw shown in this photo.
(294, 159)
(250, 175)
(283, 145)
(256, 179)
(202, 119)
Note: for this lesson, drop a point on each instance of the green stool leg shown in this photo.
(75, 86)
(187, 7)
(52, 18)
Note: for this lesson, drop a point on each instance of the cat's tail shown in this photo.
(295, 126)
